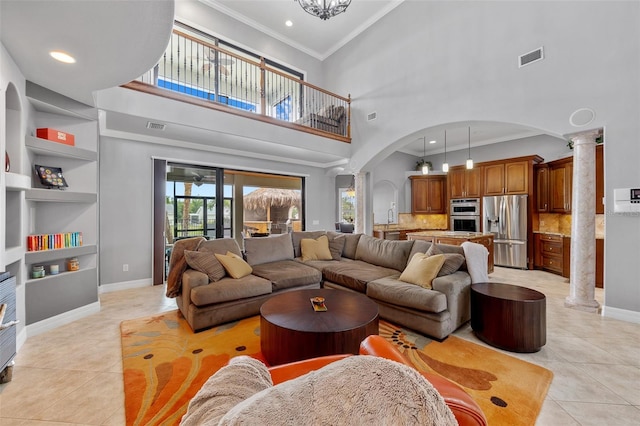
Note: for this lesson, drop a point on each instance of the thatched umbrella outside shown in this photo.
(265, 198)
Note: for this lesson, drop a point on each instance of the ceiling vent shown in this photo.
(155, 126)
(528, 58)
(372, 116)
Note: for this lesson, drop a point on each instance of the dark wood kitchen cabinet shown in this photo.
(465, 183)
(428, 194)
(560, 182)
(506, 178)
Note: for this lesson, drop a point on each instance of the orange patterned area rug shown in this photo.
(165, 363)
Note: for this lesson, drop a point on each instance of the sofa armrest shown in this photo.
(464, 408)
(192, 279)
(456, 288)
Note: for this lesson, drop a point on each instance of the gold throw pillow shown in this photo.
(317, 249)
(234, 264)
(422, 269)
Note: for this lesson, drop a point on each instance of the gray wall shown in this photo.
(432, 63)
(126, 200)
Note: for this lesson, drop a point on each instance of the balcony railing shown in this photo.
(195, 71)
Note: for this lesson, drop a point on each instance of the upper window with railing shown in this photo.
(209, 69)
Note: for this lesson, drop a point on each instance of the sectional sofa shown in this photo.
(358, 262)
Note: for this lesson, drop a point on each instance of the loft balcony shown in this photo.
(195, 71)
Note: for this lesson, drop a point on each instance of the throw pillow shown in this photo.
(452, 262)
(433, 250)
(336, 244)
(234, 264)
(422, 269)
(205, 262)
(317, 249)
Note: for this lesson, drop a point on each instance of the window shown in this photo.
(347, 205)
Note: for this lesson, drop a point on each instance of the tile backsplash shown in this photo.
(423, 221)
(561, 224)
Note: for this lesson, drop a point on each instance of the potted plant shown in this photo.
(421, 163)
(599, 140)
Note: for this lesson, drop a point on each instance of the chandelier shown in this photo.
(324, 9)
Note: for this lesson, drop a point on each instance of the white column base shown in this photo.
(581, 305)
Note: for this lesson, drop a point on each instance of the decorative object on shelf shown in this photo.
(599, 140)
(324, 9)
(7, 162)
(37, 271)
(422, 165)
(469, 160)
(51, 177)
(445, 165)
(73, 264)
(54, 269)
(55, 136)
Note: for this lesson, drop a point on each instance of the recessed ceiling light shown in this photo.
(432, 141)
(62, 57)
(288, 23)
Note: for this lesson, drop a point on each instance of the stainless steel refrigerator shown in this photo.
(505, 216)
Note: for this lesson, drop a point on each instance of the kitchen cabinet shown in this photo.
(542, 187)
(428, 194)
(560, 182)
(553, 254)
(506, 178)
(465, 183)
(549, 252)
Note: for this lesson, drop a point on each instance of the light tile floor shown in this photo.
(73, 374)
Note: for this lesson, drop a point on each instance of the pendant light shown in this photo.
(425, 166)
(469, 160)
(445, 165)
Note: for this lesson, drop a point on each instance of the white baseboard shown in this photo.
(125, 285)
(62, 319)
(621, 314)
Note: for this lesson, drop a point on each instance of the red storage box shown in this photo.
(56, 136)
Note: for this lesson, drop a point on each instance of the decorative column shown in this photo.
(583, 226)
(360, 201)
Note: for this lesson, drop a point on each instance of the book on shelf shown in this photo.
(41, 242)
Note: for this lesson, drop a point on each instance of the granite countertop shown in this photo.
(397, 227)
(598, 235)
(451, 234)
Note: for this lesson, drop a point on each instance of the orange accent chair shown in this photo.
(464, 408)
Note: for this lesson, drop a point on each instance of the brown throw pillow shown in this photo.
(452, 262)
(336, 245)
(206, 263)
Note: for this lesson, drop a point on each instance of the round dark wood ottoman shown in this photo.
(508, 316)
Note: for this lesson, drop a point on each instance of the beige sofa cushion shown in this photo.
(230, 289)
(220, 245)
(399, 293)
(355, 274)
(287, 274)
(268, 249)
(386, 253)
(350, 245)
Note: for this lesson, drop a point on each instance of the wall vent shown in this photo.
(155, 126)
(528, 58)
(372, 116)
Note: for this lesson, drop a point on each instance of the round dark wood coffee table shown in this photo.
(508, 316)
(290, 330)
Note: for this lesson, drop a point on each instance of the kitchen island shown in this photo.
(456, 238)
